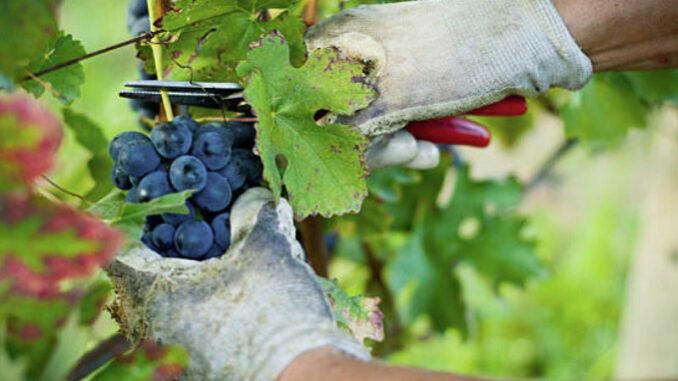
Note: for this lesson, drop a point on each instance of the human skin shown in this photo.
(616, 35)
(624, 34)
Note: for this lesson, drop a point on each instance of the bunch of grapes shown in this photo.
(215, 160)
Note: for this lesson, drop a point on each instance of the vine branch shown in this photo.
(313, 239)
(95, 53)
(97, 357)
(550, 163)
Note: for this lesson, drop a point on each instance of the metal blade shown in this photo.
(233, 102)
(187, 87)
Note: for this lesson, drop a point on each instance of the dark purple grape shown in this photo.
(193, 239)
(188, 172)
(221, 226)
(216, 195)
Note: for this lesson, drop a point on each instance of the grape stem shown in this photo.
(64, 190)
(242, 119)
(153, 6)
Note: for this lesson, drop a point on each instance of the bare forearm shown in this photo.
(624, 34)
(328, 365)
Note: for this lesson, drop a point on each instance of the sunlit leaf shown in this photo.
(602, 113)
(359, 314)
(65, 81)
(210, 37)
(323, 167)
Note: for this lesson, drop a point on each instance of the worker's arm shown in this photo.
(624, 35)
(326, 364)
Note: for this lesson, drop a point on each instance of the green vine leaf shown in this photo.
(359, 314)
(322, 167)
(130, 217)
(65, 81)
(91, 137)
(211, 37)
(602, 113)
(26, 28)
(477, 225)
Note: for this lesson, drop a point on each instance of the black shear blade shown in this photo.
(202, 94)
(187, 87)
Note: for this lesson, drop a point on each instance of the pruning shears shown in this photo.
(454, 130)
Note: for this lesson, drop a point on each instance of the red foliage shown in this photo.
(25, 162)
(43, 281)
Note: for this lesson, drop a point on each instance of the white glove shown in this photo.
(439, 58)
(401, 148)
(244, 316)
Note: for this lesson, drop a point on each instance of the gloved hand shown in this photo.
(437, 58)
(243, 316)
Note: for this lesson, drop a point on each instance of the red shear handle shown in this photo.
(450, 130)
(511, 106)
(460, 131)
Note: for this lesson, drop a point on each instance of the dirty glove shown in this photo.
(243, 316)
(438, 58)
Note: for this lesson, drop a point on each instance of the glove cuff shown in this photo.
(286, 347)
(577, 66)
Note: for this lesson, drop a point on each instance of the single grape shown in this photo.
(152, 222)
(136, 179)
(214, 252)
(132, 196)
(177, 218)
(186, 121)
(171, 139)
(221, 226)
(147, 239)
(250, 162)
(243, 135)
(216, 195)
(138, 158)
(120, 178)
(123, 139)
(220, 128)
(153, 185)
(187, 172)
(234, 173)
(210, 148)
(163, 237)
(138, 27)
(193, 239)
(137, 9)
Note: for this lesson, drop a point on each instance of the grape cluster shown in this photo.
(215, 160)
